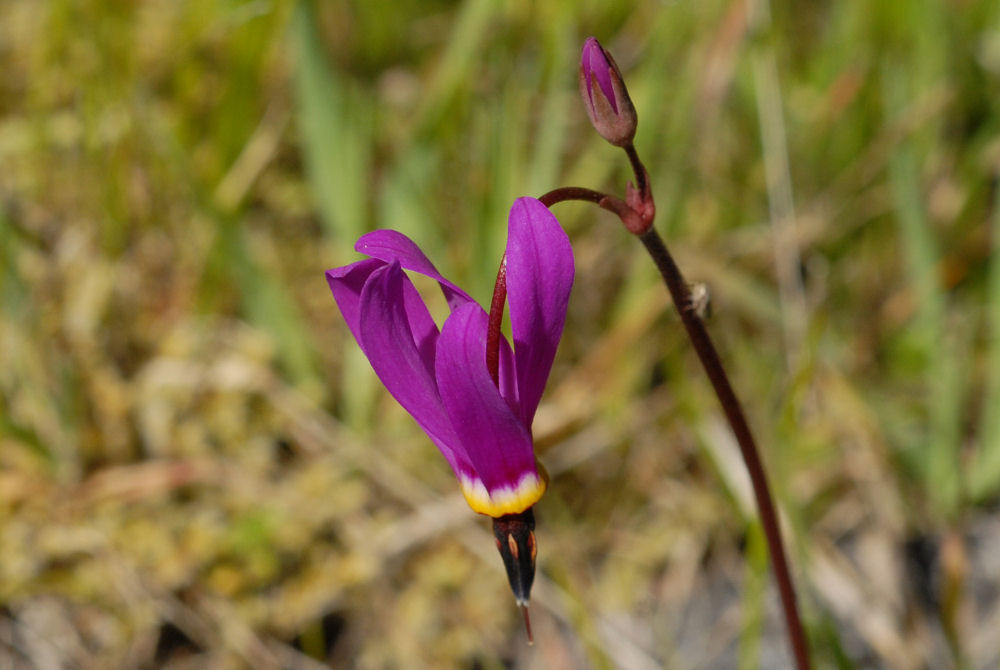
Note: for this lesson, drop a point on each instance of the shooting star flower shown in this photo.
(482, 428)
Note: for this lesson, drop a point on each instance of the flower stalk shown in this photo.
(709, 357)
(694, 326)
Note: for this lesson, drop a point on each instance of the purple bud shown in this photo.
(605, 96)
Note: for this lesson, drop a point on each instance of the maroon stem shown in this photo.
(572, 193)
(710, 360)
(500, 288)
(496, 320)
(638, 168)
(737, 420)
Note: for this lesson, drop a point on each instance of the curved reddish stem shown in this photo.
(500, 287)
(572, 193)
(496, 320)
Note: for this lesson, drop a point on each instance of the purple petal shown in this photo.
(539, 278)
(346, 284)
(388, 339)
(389, 246)
(595, 62)
(495, 441)
(508, 376)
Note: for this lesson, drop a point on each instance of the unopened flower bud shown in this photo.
(605, 96)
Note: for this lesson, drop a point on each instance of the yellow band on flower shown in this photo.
(507, 499)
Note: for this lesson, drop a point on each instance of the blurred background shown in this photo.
(198, 468)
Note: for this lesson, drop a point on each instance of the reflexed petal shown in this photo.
(539, 278)
(425, 331)
(389, 245)
(346, 284)
(496, 442)
(387, 337)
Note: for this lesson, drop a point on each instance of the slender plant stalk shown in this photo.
(731, 406)
(702, 343)
(637, 167)
(572, 193)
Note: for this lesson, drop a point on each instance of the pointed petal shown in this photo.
(539, 278)
(389, 245)
(346, 284)
(388, 339)
(495, 441)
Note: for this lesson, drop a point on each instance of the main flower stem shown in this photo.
(731, 406)
(698, 335)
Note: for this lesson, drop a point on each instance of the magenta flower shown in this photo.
(604, 95)
(441, 378)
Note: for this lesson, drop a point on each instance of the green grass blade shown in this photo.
(937, 458)
(269, 306)
(755, 581)
(985, 473)
(336, 133)
(458, 60)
